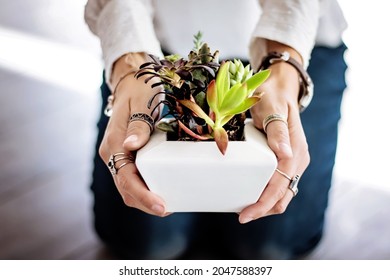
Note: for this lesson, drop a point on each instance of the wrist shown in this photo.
(273, 46)
(123, 69)
(126, 64)
(301, 77)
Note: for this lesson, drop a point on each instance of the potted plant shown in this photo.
(206, 102)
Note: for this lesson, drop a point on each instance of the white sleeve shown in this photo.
(293, 23)
(122, 26)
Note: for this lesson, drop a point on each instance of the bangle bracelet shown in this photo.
(133, 60)
(110, 99)
(305, 83)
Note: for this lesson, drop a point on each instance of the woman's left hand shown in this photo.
(288, 141)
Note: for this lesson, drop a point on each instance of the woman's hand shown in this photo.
(121, 136)
(287, 141)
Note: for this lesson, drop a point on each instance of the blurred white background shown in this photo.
(364, 148)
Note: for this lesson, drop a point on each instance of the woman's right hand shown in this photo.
(121, 136)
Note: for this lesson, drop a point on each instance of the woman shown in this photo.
(131, 219)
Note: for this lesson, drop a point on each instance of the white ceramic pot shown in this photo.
(196, 177)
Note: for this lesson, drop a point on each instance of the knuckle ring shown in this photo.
(294, 185)
(117, 157)
(271, 118)
(143, 118)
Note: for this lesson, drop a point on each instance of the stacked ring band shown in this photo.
(118, 157)
(271, 118)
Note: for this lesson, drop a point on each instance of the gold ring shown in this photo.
(271, 118)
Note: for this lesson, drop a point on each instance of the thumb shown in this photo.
(138, 132)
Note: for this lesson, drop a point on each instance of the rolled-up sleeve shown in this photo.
(293, 23)
(122, 26)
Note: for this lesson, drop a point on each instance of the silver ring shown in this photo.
(143, 118)
(294, 185)
(117, 158)
(271, 118)
(283, 174)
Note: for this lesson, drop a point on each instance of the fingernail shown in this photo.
(158, 209)
(245, 220)
(284, 148)
(131, 139)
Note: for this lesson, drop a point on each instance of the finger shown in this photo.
(281, 205)
(128, 182)
(138, 130)
(279, 140)
(273, 200)
(272, 197)
(115, 131)
(277, 195)
(140, 125)
(135, 193)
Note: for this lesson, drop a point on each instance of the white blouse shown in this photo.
(237, 28)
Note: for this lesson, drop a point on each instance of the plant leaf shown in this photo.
(197, 110)
(225, 119)
(212, 96)
(257, 79)
(165, 126)
(223, 81)
(191, 133)
(244, 106)
(221, 138)
(234, 97)
(205, 67)
(200, 99)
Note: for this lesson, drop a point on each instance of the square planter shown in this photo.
(196, 177)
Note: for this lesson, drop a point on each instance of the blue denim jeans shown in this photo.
(136, 235)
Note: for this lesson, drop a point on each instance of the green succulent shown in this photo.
(204, 97)
(238, 72)
(226, 101)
